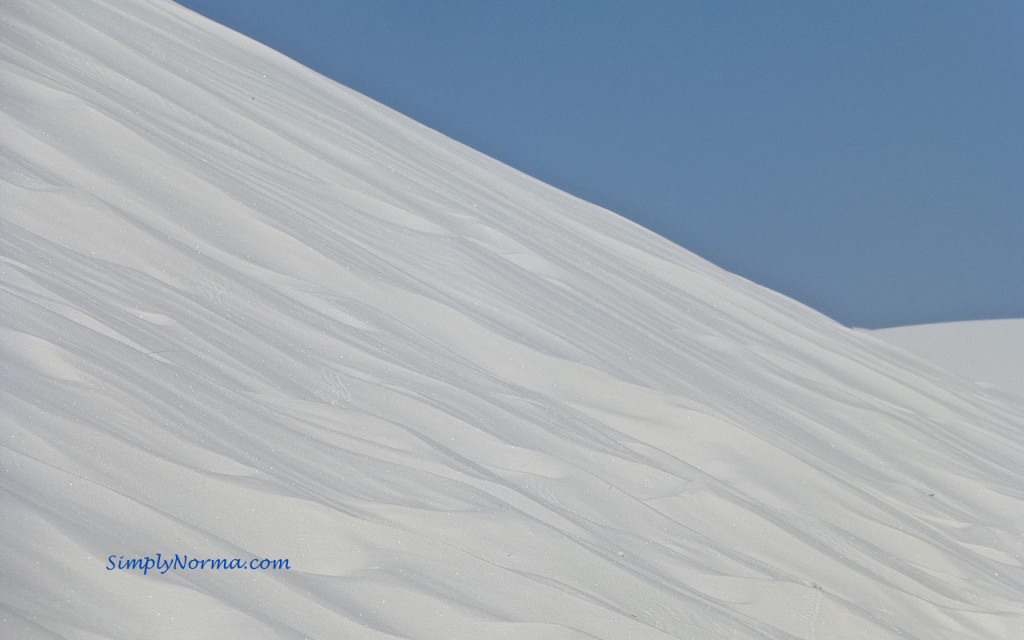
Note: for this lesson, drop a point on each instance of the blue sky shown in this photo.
(865, 158)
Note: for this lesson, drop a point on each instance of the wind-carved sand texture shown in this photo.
(248, 313)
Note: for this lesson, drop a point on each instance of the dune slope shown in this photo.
(248, 313)
(986, 352)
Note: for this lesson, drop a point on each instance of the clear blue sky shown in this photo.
(863, 157)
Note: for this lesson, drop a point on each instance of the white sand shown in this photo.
(249, 313)
(987, 352)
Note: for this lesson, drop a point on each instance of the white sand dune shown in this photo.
(986, 352)
(248, 313)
